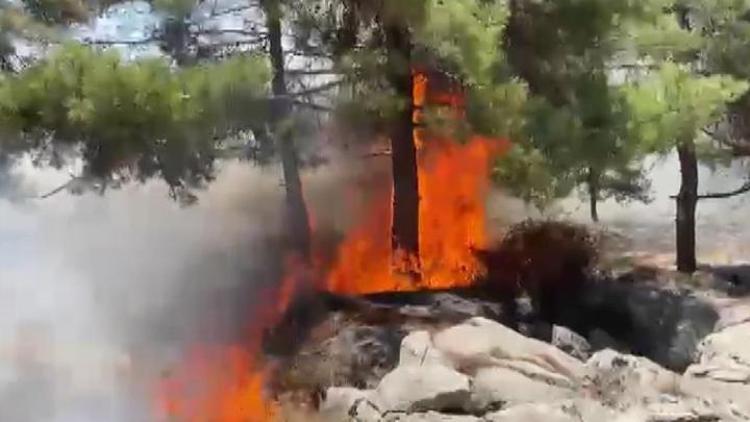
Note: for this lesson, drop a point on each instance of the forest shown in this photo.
(585, 90)
(538, 99)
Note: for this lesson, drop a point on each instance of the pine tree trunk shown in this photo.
(687, 201)
(593, 185)
(297, 219)
(177, 39)
(405, 229)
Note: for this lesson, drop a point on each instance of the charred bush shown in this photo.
(550, 261)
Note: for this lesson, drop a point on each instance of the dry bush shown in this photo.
(548, 260)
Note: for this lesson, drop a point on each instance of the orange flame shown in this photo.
(226, 384)
(219, 385)
(453, 181)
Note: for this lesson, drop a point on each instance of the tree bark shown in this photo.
(298, 224)
(687, 201)
(405, 228)
(593, 185)
(176, 40)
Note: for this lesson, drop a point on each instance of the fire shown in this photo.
(226, 384)
(219, 385)
(453, 181)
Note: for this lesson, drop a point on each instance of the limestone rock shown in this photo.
(725, 356)
(417, 349)
(625, 380)
(498, 385)
(536, 412)
(570, 342)
(432, 417)
(343, 404)
(480, 342)
(413, 388)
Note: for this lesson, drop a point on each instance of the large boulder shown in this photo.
(480, 342)
(430, 417)
(342, 404)
(417, 349)
(622, 381)
(722, 369)
(412, 388)
(579, 410)
(570, 342)
(725, 356)
(668, 408)
(660, 321)
(500, 385)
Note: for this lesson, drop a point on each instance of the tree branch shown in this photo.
(243, 32)
(313, 72)
(60, 188)
(722, 195)
(119, 42)
(739, 191)
(217, 13)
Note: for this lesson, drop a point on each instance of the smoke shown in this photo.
(99, 294)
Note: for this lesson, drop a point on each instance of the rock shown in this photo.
(724, 356)
(432, 417)
(731, 312)
(722, 369)
(414, 388)
(498, 385)
(732, 400)
(664, 323)
(480, 342)
(624, 380)
(570, 342)
(450, 304)
(417, 349)
(343, 404)
(677, 409)
(343, 352)
(540, 412)
(600, 340)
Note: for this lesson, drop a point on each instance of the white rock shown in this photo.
(678, 409)
(417, 349)
(537, 412)
(625, 380)
(724, 356)
(570, 342)
(481, 342)
(731, 399)
(501, 385)
(426, 387)
(342, 404)
(433, 417)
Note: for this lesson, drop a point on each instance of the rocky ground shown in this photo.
(670, 350)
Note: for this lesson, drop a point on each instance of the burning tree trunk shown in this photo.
(405, 229)
(687, 200)
(296, 211)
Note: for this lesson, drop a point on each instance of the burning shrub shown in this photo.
(548, 260)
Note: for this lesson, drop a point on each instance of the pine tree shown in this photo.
(380, 45)
(692, 92)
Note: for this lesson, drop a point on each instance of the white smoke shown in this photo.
(99, 293)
